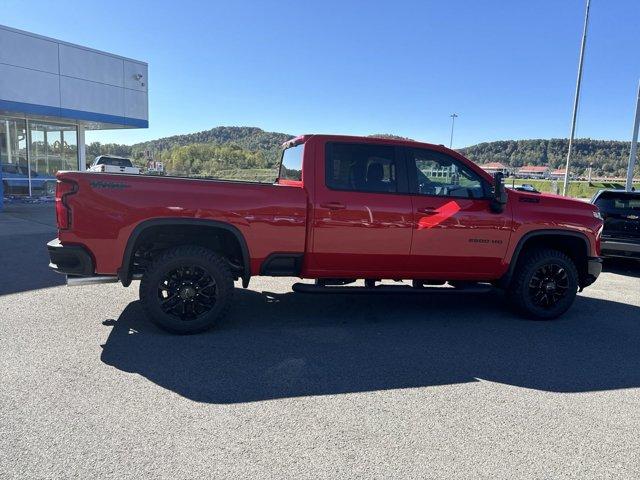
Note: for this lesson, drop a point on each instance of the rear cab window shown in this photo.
(116, 162)
(291, 166)
(612, 201)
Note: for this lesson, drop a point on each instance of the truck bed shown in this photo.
(107, 208)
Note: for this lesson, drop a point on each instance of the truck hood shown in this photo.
(551, 199)
(536, 211)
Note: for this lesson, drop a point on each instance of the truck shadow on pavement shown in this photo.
(287, 345)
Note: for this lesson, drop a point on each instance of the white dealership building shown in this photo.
(51, 92)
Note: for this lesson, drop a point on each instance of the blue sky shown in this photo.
(507, 68)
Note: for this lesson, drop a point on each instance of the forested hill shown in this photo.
(255, 148)
(608, 157)
(248, 138)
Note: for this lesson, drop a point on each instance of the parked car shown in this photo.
(15, 181)
(621, 212)
(526, 187)
(343, 208)
(112, 164)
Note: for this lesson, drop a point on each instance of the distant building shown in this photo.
(557, 173)
(494, 167)
(533, 171)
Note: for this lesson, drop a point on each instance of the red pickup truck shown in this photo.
(342, 209)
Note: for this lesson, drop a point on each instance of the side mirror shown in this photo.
(499, 193)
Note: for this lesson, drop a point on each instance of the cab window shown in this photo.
(361, 167)
(437, 174)
(291, 165)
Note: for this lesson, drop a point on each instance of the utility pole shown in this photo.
(576, 100)
(634, 144)
(453, 121)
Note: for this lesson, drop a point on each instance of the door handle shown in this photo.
(333, 205)
(427, 210)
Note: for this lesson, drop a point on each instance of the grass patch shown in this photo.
(262, 175)
(577, 189)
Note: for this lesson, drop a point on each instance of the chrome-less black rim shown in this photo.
(548, 285)
(187, 292)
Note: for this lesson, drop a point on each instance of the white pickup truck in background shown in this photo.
(111, 164)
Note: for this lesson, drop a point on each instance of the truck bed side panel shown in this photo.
(107, 208)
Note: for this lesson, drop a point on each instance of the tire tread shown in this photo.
(516, 293)
(148, 284)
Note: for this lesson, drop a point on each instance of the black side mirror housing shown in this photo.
(499, 193)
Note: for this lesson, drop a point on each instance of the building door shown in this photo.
(362, 213)
(53, 147)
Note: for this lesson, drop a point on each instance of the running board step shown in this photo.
(75, 281)
(310, 288)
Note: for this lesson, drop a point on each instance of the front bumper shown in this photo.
(594, 268)
(70, 259)
(620, 248)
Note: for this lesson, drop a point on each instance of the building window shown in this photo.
(13, 156)
(53, 148)
(31, 171)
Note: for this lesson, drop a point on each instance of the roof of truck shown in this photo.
(365, 139)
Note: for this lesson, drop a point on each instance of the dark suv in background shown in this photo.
(621, 213)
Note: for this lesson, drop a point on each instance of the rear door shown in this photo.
(456, 235)
(362, 211)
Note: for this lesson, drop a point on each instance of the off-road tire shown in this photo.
(186, 257)
(521, 294)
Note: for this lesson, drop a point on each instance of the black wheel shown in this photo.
(187, 289)
(544, 284)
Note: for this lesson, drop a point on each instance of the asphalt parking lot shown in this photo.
(298, 386)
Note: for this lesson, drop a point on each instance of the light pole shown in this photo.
(576, 99)
(453, 122)
(634, 145)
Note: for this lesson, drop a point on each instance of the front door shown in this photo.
(456, 235)
(362, 213)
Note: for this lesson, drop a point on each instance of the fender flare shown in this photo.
(506, 278)
(124, 272)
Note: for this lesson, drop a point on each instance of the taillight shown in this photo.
(64, 188)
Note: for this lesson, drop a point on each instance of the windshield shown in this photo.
(291, 166)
